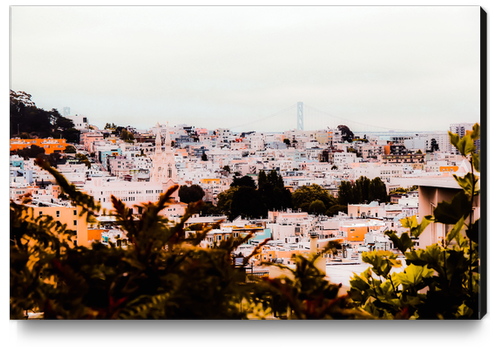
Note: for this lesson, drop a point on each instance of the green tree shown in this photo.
(272, 191)
(71, 135)
(30, 152)
(307, 294)
(244, 181)
(245, 199)
(247, 203)
(347, 134)
(126, 135)
(335, 209)
(434, 146)
(83, 159)
(70, 149)
(305, 195)
(62, 122)
(191, 193)
(208, 209)
(377, 190)
(317, 207)
(361, 189)
(27, 118)
(346, 194)
(441, 281)
(225, 199)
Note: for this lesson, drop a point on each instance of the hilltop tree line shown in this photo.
(120, 131)
(28, 121)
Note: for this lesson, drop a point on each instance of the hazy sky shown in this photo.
(372, 68)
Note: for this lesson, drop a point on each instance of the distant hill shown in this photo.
(29, 121)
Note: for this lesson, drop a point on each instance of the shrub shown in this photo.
(441, 281)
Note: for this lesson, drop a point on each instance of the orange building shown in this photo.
(50, 145)
(356, 232)
(69, 216)
(448, 168)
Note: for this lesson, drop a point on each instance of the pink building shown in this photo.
(88, 139)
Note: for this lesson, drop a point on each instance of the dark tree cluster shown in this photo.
(312, 199)
(245, 199)
(191, 193)
(272, 191)
(347, 134)
(34, 151)
(27, 120)
(363, 190)
(317, 200)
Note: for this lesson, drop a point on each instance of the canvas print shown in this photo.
(246, 163)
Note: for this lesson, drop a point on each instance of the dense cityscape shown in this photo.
(179, 167)
(295, 192)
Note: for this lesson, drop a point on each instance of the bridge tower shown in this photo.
(300, 124)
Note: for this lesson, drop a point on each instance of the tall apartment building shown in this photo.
(461, 129)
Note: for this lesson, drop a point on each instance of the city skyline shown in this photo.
(245, 68)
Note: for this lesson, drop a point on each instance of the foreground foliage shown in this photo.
(441, 281)
(163, 274)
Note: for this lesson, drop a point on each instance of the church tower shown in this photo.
(163, 169)
(171, 173)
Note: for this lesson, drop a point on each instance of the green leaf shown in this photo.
(475, 160)
(403, 243)
(461, 241)
(472, 231)
(359, 283)
(475, 134)
(430, 256)
(380, 260)
(464, 311)
(421, 227)
(468, 183)
(454, 138)
(451, 213)
(409, 222)
(466, 145)
(413, 275)
(455, 230)
(415, 228)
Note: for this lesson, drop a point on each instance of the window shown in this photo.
(40, 212)
(75, 222)
(58, 214)
(74, 212)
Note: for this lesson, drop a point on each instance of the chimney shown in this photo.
(313, 243)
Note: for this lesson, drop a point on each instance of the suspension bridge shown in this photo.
(295, 116)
